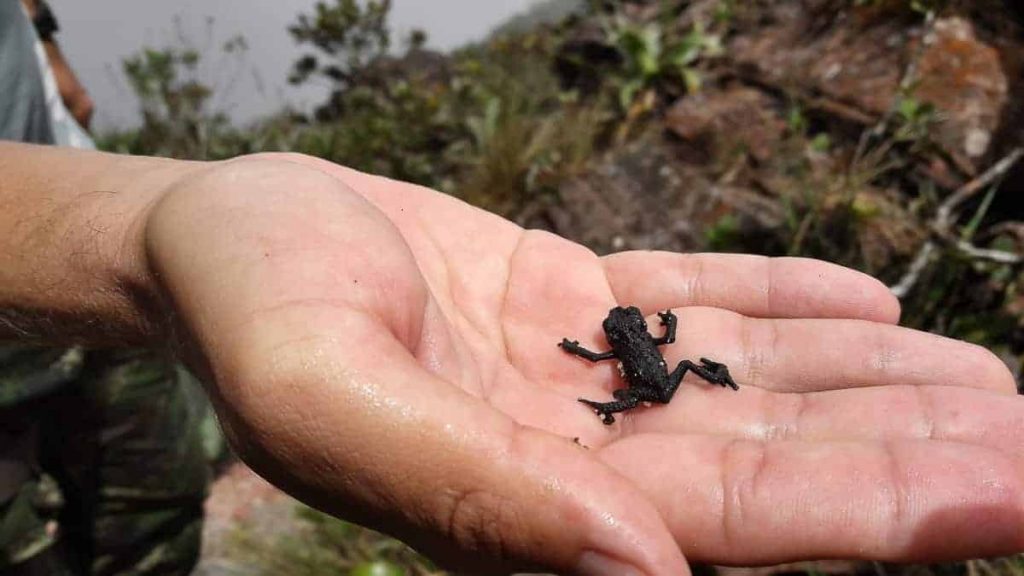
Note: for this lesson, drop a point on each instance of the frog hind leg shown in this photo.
(716, 373)
(709, 370)
(625, 400)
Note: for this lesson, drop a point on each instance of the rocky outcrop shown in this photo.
(866, 61)
(964, 79)
(729, 118)
(777, 126)
(795, 51)
(651, 195)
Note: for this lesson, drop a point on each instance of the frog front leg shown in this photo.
(577, 350)
(670, 322)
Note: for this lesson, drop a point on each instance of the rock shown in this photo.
(729, 118)
(858, 66)
(647, 196)
(886, 233)
(858, 59)
(633, 198)
(964, 79)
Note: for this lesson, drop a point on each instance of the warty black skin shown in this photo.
(641, 363)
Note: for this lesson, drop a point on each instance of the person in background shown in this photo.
(66, 97)
(101, 464)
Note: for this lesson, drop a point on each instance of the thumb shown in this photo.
(324, 397)
(390, 446)
(523, 499)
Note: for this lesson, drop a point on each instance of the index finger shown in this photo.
(751, 285)
(741, 502)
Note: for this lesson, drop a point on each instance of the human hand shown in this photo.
(388, 354)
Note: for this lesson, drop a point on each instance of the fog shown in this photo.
(96, 36)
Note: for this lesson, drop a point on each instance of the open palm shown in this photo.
(389, 354)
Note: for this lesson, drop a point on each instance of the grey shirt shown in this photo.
(23, 110)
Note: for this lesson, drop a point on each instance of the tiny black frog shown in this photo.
(641, 364)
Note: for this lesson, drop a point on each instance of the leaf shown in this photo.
(821, 143)
(628, 92)
(693, 79)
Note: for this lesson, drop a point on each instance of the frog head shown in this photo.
(624, 324)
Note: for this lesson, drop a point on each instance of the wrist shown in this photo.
(125, 258)
(72, 258)
(43, 19)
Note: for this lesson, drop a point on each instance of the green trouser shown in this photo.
(104, 473)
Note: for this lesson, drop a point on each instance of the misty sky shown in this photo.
(97, 34)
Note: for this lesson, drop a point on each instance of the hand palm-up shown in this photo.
(389, 354)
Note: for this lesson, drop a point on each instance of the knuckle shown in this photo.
(696, 285)
(478, 522)
(759, 345)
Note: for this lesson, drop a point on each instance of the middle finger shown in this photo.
(802, 355)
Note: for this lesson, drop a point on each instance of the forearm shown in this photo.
(72, 92)
(72, 257)
(74, 95)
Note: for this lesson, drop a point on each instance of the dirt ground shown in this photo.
(238, 498)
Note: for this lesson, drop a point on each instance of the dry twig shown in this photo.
(945, 219)
(905, 87)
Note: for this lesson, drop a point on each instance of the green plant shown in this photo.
(651, 56)
(724, 235)
(523, 136)
(176, 102)
(348, 33)
(173, 103)
(915, 120)
(725, 12)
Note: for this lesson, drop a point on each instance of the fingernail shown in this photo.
(597, 564)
